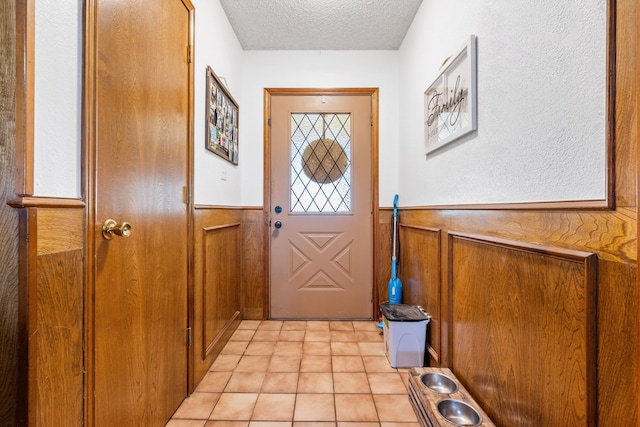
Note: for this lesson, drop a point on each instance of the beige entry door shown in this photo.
(321, 207)
(141, 155)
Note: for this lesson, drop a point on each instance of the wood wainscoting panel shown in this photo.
(253, 268)
(383, 258)
(617, 344)
(8, 216)
(60, 356)
(524, 330)
(221, 282)
(611, 235)
(56, 231)
(217, 291)
(421, 280)
(51, 316)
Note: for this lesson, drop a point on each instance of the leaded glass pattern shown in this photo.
(320, 163)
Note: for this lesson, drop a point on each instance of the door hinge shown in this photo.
(189, 54)
(269, 121)
(188, 337)
(186, 195)
(371, 119)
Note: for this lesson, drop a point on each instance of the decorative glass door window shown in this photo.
(320, 163)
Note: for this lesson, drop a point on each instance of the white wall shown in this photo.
(541, 103)
(58, 91)
(216, 181)
(57, 99)
(316, 69)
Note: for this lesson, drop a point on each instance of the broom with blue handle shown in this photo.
(395, 285)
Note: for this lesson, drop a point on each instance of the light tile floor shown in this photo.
(300, 374)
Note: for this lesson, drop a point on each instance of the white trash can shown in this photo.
(405, 332)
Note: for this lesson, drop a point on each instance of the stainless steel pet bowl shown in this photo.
(459, 413)
(439, 383)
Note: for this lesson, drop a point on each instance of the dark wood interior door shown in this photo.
(142, 131)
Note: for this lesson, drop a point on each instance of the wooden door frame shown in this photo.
(268, 93)
(637, 165)
(89, 182)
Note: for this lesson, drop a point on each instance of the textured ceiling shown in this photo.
(320, 24)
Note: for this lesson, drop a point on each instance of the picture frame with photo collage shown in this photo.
(221, 133)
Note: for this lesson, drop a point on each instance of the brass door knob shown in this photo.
(111, 228)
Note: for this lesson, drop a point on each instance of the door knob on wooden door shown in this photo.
(111, 228)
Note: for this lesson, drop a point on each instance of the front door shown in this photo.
(321, 206)
(141, 155)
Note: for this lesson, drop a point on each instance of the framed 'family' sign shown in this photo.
(450, 102)
(222, 120)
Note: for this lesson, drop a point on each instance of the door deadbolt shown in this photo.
(111, 228)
